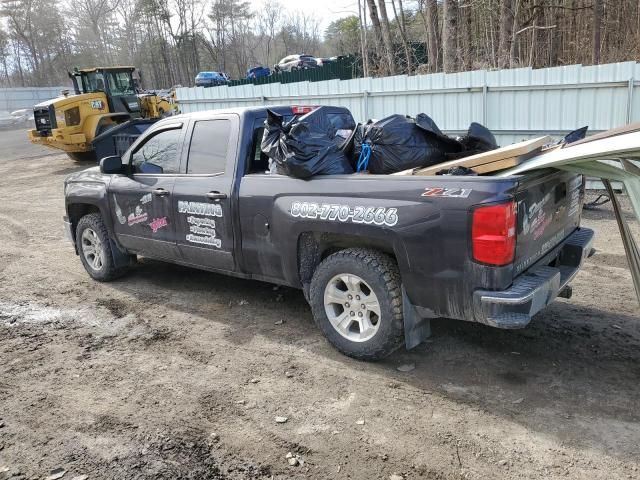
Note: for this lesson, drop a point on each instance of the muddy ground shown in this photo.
(171, 373)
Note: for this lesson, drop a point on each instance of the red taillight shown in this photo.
(493, 233)
(302, 109)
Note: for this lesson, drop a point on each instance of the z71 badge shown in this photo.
(447, 192)
(97, 104)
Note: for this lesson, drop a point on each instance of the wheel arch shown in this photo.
(75, 211)
(314, 247)
(78, 208)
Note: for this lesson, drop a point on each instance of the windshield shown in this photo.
(121, 83)
(93, 82)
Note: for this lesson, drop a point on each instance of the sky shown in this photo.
(325, 11)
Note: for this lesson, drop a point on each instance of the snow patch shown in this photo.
(28, 313)
(13, 313)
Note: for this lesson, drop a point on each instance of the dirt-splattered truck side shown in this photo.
(377, 256)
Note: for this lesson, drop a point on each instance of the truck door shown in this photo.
(202, 196)
(141, 202)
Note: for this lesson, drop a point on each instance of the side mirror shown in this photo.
(112, 164)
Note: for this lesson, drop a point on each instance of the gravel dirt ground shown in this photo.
(171, 373)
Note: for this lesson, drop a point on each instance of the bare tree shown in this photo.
(377, 29)
(386, 36)
(364, 48)
(97, 13)
(402, 28)
(597, 30)
(269, 23)
(505, 33)
(467, 48)
(169, 41)
(450, 35)
(429, 14)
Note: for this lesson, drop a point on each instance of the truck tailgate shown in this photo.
(549, 205)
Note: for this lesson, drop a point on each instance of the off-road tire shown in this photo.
(108, 271)
(82, 156)
(381, 273)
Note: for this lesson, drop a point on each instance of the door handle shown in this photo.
(216, 195)
(160, 192)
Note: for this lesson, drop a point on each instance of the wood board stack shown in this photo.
(488, 162)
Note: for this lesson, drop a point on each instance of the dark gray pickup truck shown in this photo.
(377, 256)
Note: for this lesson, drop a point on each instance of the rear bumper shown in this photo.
(534, 289)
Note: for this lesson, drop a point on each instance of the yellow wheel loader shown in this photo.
(102, 117)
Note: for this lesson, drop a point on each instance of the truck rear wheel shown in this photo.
(95, 249)
(356, 300)
(82, 156)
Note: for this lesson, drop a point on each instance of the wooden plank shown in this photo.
(632, 127)
(498, 165)
(511, 162)
(405, 172)
(522, 149)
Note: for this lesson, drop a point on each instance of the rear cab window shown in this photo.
(258, 161)
(208, 147)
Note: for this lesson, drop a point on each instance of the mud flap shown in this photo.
(120, 258)
(417, 328)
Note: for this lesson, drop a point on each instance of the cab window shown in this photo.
(258, 161)
(158, 154)
(208, 149)
(121, 83)
(93, 82)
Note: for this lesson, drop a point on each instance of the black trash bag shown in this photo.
(478, 139)
(398, 143)
(305, 146)
(426, 123)
(457, 171)
(348, 144)
(270, 145)
(574, 136)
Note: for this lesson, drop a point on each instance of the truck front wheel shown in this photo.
(95, 249)
(356, 300)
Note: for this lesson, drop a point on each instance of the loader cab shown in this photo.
(117, 83)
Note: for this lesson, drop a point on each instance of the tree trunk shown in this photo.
(450, 35)
(403, 34)
(512, 45)
(363, 38)
(555, 37)
(377, 29)
(597, 30)
(466, 54)
(435, 59)
(532, 44)
(505, 32)
(386, 36)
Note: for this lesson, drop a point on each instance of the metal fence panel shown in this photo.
(17, 98)
(515, 104)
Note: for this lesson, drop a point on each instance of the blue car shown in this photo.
(257, 72)
(210, 79)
